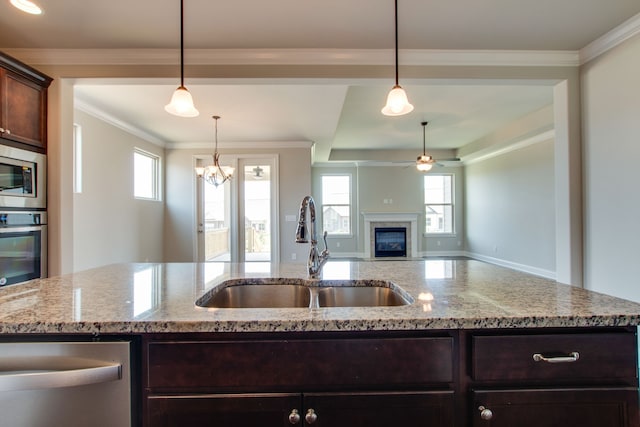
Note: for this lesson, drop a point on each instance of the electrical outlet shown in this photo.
(293, 256)
(337, 244)
(438, 242)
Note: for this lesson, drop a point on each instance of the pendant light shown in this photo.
(424, 162)
(215, 174)
(397, 102)
(181, 102)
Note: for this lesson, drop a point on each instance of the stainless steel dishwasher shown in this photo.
(71, 384)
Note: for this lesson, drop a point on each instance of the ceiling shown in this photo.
(336, 113)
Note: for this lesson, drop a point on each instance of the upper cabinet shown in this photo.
(23, 105)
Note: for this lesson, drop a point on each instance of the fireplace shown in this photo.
(390, 242)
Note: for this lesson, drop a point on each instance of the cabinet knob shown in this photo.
(1, 130)
(485, 413)
(294, 416)
(311, 416)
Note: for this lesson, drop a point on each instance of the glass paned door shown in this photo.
(214, 222)
(257, 211)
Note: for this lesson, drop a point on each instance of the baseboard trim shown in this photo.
(548, 274)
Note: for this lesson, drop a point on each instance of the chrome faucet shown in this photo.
(316, 260)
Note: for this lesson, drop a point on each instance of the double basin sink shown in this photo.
(301, 293)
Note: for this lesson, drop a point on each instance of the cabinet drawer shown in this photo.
(280, 364)
(610, 357)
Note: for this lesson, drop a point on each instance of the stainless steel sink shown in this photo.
(258, 296)
(359, 296)
(300, 293)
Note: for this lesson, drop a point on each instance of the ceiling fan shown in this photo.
(425, 162)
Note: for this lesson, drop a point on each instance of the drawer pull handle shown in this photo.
(572, 357)
(294, 416)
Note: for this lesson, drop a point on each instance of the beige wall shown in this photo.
(109, 224)
(510, 209)
(611, 140)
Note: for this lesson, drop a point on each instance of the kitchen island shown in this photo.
(479, 345)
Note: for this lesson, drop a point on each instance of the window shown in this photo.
(336, 204)
(146, 167)
(438, 204)
(77, 158)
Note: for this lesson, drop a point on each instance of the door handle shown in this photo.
(40, 373)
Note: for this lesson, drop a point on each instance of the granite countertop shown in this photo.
(157, 298)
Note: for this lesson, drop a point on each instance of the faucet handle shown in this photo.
(325, 252)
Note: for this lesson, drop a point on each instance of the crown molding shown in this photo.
(239, 145)
(613, 38)
(412, 57)
(114, 121)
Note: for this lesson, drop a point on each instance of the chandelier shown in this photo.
(215, 174)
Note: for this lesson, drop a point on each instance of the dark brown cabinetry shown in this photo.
(23, 105)
(545, 380)
(536, 377)
(301, 381)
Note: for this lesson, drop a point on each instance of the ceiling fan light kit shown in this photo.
(424, 163)
(397, 101)
(181, 103)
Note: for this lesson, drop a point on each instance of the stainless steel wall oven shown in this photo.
(23, 246)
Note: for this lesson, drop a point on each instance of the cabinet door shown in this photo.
(228, 410)
(23, 110)
(566, 407)
(379, 409)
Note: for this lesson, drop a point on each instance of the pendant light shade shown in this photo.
(397, 101)
(215, 174)
(181, 102)
(424, 162)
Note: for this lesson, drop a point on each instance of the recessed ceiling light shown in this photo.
(27, 6)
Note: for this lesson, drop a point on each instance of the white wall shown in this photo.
(510, 209)
(109, 224)
(180, 225)
(611, 145)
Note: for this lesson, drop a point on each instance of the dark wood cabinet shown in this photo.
(350, 381)
(373, 409)
(561, 379)
(610, 407)
(23, 105)
(443, 378)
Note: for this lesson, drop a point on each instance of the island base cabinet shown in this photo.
(601, 407)
(371, 409)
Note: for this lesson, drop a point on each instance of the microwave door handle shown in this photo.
(42, 379)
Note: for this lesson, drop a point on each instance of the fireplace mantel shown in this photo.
(392, 219)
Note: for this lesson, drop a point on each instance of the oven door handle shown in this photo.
(42, 373)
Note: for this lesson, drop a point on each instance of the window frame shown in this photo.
(156, 178)
(451, 205)
(350, 205)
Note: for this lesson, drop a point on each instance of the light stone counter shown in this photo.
(448, 294)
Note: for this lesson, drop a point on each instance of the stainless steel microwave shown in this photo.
(23, 177)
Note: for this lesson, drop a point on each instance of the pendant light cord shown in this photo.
(181, 43)
(424, 137)
(396, 31)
